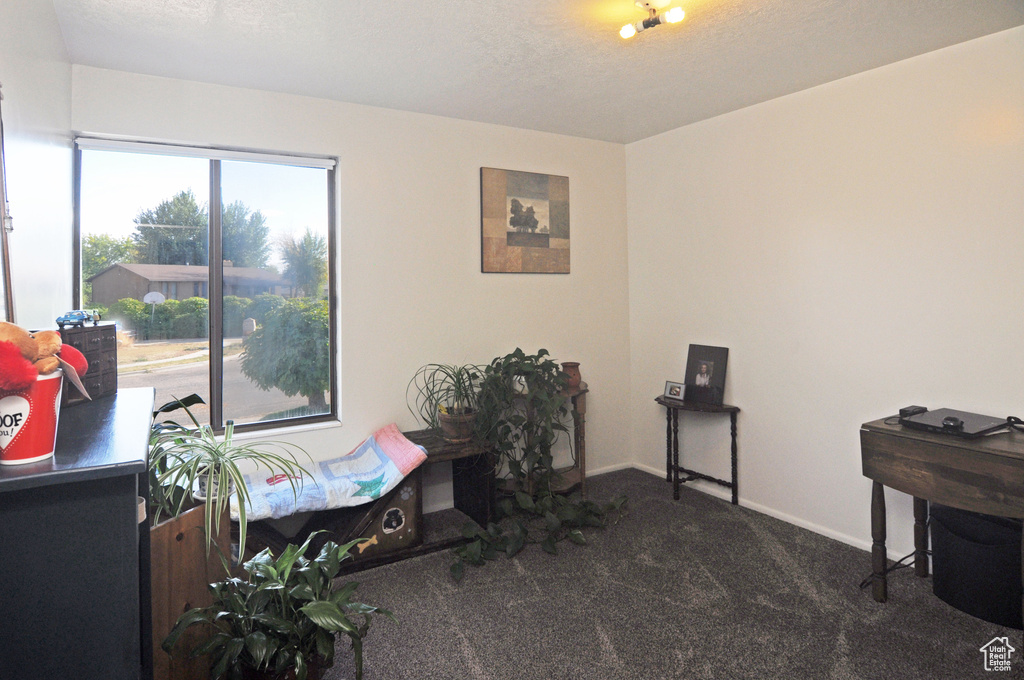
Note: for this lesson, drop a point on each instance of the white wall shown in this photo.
(36, 78)
(857, 247)
(409, 215)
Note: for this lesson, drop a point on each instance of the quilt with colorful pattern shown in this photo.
(371, 470)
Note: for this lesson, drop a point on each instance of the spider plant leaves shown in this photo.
(442, 388)
(180, 457)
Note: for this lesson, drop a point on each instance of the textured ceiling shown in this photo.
(551, 65)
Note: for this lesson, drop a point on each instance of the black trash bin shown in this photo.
(976, 564)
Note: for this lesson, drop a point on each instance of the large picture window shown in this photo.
(217, 267)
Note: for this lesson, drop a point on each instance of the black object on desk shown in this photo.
(72, 548)
(673, 469)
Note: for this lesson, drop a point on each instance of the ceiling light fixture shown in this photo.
(672, 16)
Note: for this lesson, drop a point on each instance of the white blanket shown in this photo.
(363, 475)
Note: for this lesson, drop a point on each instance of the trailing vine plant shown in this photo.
(522, 411)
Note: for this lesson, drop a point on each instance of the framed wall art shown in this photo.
(705, 374)
(524, 222)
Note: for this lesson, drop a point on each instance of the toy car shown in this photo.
(78, 318)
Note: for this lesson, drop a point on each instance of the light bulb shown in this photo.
(628, 31)
(674, 15)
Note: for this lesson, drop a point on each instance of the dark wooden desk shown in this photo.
(74, 554)
(985, 475)
(672, 467)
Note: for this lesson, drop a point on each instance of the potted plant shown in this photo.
(192, 464)
(523, 408)
(445, 398)
(183, 529)
(280, 621)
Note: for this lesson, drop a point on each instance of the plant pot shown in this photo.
(180, 570)
(456, 428)
(314, 671)
(572, 369)
(208, 484)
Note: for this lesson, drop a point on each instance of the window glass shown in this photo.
(276, 310)
(145, 229)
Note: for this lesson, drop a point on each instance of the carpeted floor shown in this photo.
(695, 588)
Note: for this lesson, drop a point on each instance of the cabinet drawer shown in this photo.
(99, 346)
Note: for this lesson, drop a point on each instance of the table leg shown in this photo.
(668, 444)
(675, 454)
(879, 586)
(920, 536)
(735, 488)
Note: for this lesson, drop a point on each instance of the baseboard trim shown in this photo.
(713, 490)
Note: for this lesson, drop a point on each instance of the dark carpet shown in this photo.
(695, 588)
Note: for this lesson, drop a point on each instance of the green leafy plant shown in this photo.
(166, 500)
(283, 615)
(182, 457)
(443, 389)
(523, 410)
(544, 518)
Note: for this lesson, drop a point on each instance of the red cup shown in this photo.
(28, 420)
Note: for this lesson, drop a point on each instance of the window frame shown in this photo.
(214, 289)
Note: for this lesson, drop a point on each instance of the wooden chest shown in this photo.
(99, 345)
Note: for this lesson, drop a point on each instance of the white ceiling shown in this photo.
(551, 65)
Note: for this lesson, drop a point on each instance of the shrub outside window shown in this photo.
(217, 267)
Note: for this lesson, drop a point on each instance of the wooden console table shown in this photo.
(672, 468)
(983, 474)
(568, 478)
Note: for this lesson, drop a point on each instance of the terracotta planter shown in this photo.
(572, 369)
(457, 429)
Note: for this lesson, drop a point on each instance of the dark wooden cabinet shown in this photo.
(70, 547)
(99, 345)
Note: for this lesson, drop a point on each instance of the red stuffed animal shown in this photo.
(24, 355)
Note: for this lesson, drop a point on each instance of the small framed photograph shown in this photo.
(674, 390)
